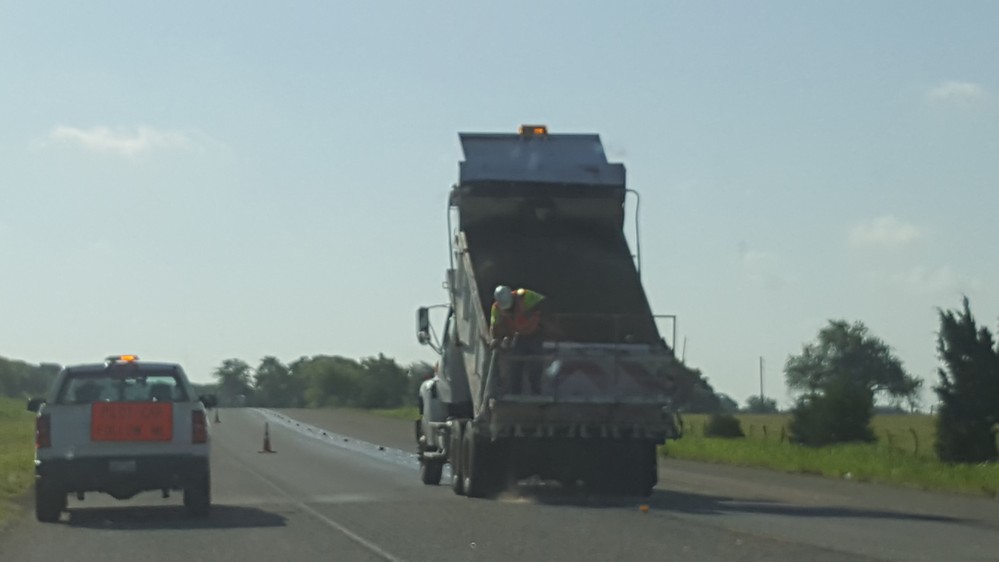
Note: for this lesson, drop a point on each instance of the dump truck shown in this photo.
(546, 212)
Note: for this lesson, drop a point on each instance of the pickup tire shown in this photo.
(198, 495)
(49, 501)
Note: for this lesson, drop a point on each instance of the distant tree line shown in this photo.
(317, 381)
(19, 379)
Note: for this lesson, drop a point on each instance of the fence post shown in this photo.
(915, 439)
(751, 429)
(764, 433)
(891, 439)
(783, 434)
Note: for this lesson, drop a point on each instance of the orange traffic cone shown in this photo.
(267, 439)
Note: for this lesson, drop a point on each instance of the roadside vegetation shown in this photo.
(903, 453)
(878, 462)
(839, 379)
(17, 432)
(832, 430)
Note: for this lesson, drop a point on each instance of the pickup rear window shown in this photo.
(87, 388)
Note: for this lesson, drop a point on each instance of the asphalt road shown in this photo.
(353, 494)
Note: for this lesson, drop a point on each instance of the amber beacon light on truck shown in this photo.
(112, 359)
(533, 131)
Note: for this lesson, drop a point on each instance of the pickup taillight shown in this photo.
(199, 427)
(43, 432)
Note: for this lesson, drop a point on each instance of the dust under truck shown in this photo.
(545, 212)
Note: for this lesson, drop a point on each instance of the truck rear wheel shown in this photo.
(455, 456)
(642, 468)
(625, 468)
(49, 501)
(476, 469)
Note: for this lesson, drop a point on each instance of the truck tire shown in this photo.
(624, 468)
(431, 472)
(49, 501)
(637, 472)
(477, 465)
(652, 466)
(198, 495)
(455, 456)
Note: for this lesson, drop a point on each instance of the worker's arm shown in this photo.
(495, 324)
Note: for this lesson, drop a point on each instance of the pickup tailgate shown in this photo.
(120, 428)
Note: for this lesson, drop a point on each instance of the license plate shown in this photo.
(121, 466)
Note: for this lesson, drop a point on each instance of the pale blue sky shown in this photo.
(194, 181)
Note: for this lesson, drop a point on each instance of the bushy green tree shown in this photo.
(850, 350)
(383, 383)
(841, 374)
(235, 382)
(723, 425)
(839, 413)
(968, 389)
(275, 385)
(726, 405)
(694, 393)
(331, 381)
(761, 405)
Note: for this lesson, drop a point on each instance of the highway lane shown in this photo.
(353, 494)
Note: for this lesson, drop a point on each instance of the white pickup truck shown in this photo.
(121, 427)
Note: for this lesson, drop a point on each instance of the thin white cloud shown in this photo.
(123, 141)
(884, 232)
(956, 92)
(923, 280)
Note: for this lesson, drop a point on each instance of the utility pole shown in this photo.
(761, 379)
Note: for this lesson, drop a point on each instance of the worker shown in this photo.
(516, 318)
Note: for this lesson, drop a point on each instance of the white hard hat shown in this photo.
(504, 297)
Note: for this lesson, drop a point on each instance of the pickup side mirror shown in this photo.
(35, 404)
(209, 400)
(423, 325)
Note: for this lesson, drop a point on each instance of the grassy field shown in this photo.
(913, 434)
(17, 434)
(903, 454)
(869, 463)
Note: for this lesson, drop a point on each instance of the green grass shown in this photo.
(17, 449)
(894, 459)
(914, 433)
